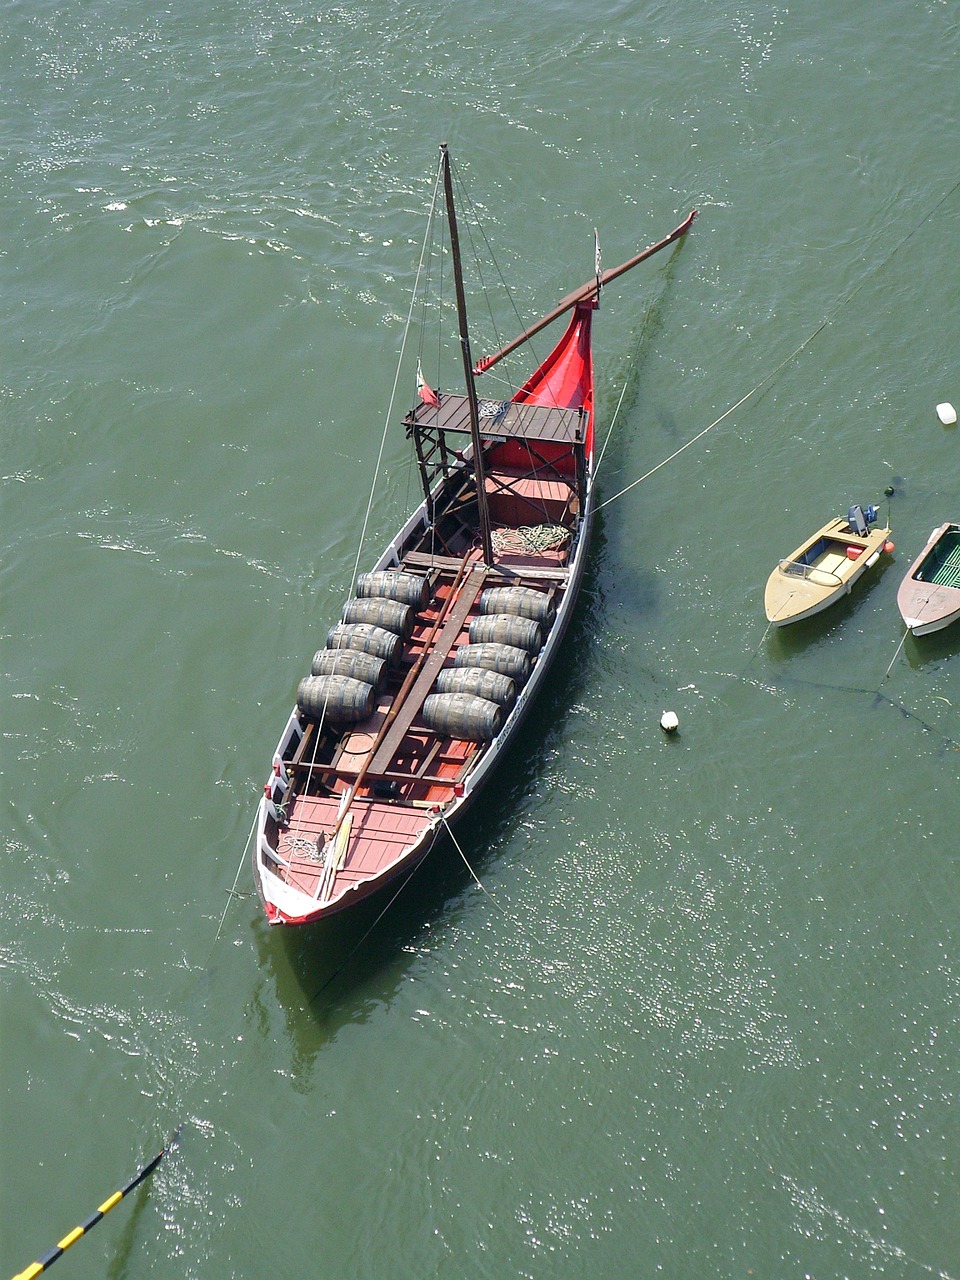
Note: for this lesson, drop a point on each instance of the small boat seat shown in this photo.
(830, 570)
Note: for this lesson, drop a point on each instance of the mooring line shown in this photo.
(232, 892)
(912, 715)
(770, 626)
(514, 920)
(405, 880)
(845, 301)
(896, 655)
(626, 383)
(613, 423)
(388, 417)
(476, 879)
(699, 436)
(785, 682)
(403, 884)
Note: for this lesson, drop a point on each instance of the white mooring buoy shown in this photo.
(946, 413)
(669, 722)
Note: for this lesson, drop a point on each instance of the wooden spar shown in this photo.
(485, 538)
(589, 290)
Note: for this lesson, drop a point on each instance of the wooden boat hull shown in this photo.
(821, 571)
(387, 840)
(929, 595)
(371, 768)
(308, 862)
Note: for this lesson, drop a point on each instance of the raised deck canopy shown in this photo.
(500, 420)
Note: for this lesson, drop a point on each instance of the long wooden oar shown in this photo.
(333, 855)
(49, 1258)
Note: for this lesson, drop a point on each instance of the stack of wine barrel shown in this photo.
(348, 674)
(470, 698)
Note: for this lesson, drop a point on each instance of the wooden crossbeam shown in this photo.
(551, 573)
(414, 700)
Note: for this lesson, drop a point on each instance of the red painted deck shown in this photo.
(380, 833)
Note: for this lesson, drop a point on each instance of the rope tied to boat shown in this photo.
(476, 879)
(495, 410)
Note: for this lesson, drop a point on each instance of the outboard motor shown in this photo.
(860, 520)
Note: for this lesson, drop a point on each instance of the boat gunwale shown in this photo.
(916, 594)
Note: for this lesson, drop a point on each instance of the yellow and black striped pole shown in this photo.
(49, 1258)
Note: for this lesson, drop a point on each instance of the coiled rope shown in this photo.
(529, 538)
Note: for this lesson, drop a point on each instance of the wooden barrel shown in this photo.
(335, 698)
(394, 584)
(392, 615)
(350, 662)
(507, 628)
(525, 602)
(366, 638)
(509, 661)
(461, 715)
(479, 682)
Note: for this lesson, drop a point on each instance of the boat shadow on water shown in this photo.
(339, 969)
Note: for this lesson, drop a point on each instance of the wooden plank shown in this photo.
(424, 765)
(550, 572)
(301, 751)
(520, 420)
(431, 668)
(400, 775)
(427, 560)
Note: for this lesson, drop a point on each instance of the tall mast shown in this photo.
(485, 539)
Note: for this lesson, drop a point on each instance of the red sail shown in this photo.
(565, 379)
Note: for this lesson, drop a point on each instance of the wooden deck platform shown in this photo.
(379, 834)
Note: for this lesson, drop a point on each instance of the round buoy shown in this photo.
(889, 547)
(669, 722)
(946, 413)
